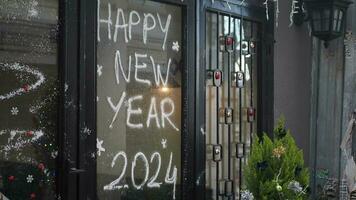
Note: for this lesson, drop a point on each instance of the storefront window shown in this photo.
(28, 98)
(139, 80)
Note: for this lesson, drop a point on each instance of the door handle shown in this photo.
(74, 170)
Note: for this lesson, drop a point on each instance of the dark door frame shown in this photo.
(77, 114)
(77, 103)
(77, 110)
(265, 118)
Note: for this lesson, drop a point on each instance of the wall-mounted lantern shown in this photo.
(327, 18)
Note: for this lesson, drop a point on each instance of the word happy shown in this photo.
(148, 22)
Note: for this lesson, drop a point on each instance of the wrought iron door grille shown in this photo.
(231, 97)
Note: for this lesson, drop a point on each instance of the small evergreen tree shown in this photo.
(275, 170)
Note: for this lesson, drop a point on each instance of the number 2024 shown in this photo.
(152, 182)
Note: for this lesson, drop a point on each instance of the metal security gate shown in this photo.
(232, 60)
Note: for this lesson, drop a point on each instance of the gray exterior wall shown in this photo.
(292, 76)
(333, 100)
(349, 93)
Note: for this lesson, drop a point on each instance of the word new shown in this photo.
(147, 20)
(152, 114)
(140, 65)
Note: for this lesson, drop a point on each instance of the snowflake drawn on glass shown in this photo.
(30, 178)
(99, 70)
(99, 146)
(164, 143)
(87, 131)
(175, 46)
(54, 154)
(14, 111)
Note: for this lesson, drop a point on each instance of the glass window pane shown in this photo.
(316, 15)
(335, 25)
(336, 16)
(317, 25)
(326, 14)
(227, 27)
(325, 25)
(325, 20)
(247, 29)
(211, 41)
(336, 13)
(28, 98)
(139, 87)
(317, 20)
(340, 21)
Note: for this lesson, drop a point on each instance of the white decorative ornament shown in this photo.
(99, 146)
(295, 187)
(164, 143)
(29, 178)
(175, 46)
(22, 68)
(14, 111)
(246, 195)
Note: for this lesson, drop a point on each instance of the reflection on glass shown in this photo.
(139, 100)
(341, 14)
(28, 98)
(335, 17)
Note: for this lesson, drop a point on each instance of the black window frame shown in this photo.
(77, 58)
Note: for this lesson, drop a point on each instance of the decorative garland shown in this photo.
(25, 88)
(24, 137)
(265, 3)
